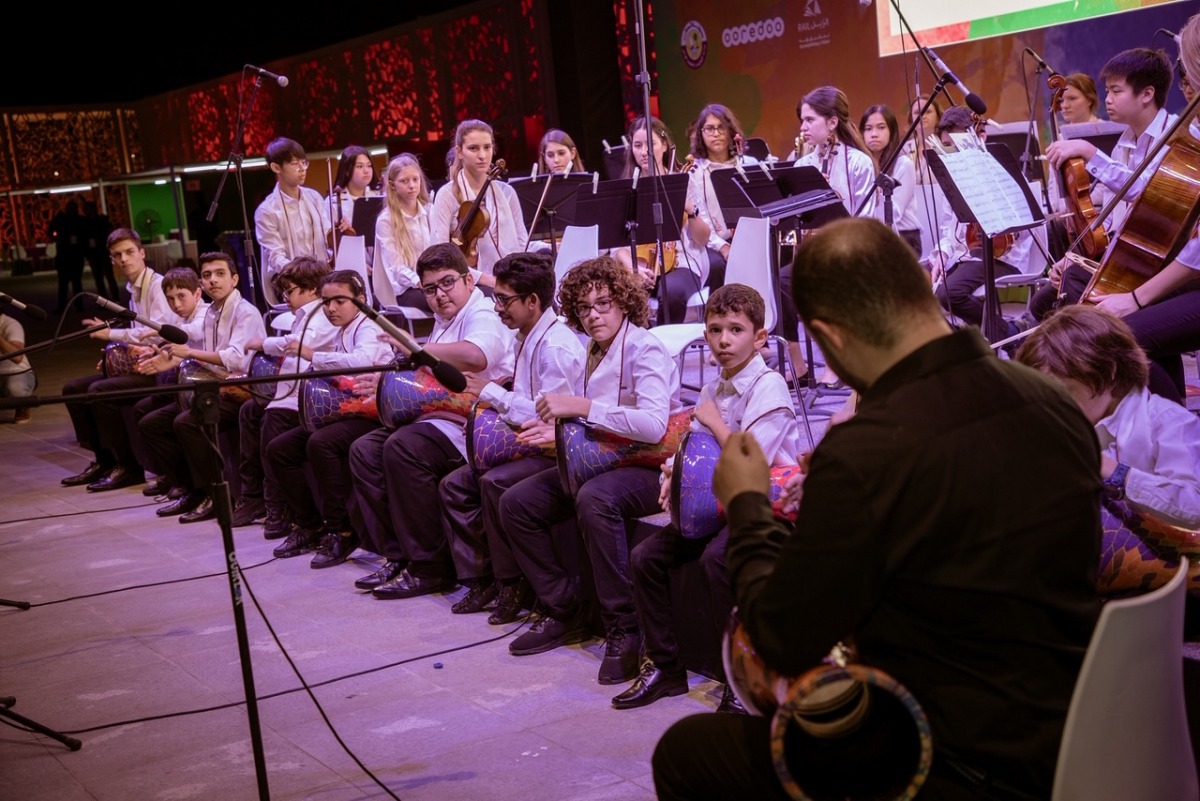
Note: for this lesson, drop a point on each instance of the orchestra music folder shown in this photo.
(558, 208)
(781, 193)
(624, 211)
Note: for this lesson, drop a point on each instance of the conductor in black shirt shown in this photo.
(949, 529)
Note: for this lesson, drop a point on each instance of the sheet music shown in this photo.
(995, 198)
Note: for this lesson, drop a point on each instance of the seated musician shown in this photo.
(17, 379)
(1079, 99)
(956, 264)
(323, 523)
(909, 544)
(402, 230)
(881, 134)
(1150, 447)
(716, 143)
(689, 252)
(630, 388)
(177, 440)
(557, 153)
(1136, 82)
(396, 472)
(839, 152)
(474, 149)
(746, 396)
(293, 220)
(114, 463)
(1163, 311)
(262, 419)
(355, 178)
(549, 360)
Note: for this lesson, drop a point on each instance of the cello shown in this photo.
(1161, 218)
(473, 217)
(1075, 186)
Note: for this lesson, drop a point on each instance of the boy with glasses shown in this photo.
(292, 220)
(396, 473)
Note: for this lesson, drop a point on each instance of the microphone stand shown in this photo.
(235, 158)
(49, 343)
(1027, 156)
(653, 167)
(549, 215)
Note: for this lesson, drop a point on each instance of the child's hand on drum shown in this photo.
(664, 486)
(536, 432)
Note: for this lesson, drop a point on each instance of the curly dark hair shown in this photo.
(603, 271)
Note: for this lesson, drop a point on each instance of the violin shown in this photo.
(1001, 243)
(1075, 186)
(473, 217)
(647, 254)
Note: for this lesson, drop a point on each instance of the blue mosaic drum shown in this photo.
(585, 451)
(695, 511)
(118, 360)
(491, 441)
(405, 395)
(327, 399)
(261, 366)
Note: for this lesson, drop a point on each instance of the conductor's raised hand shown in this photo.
(742, 468)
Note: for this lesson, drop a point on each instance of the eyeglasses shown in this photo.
(286, 293)
(504, 300)
(602, 306)
(299, 164)
(713, 129)
(446, 284)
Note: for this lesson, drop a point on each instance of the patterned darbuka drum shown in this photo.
(695, 511)
(1140, 553)
(860, 733)
(192, 370)
(491, 441)
(118, 359)
(327, 399)
(585, 451)
(405, 395)
(261, 366)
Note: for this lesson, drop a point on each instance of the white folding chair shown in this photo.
(385, 294)
(1126, 735)
(579, 243)
(352, 255)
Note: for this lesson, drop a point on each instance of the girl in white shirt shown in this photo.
(881, 134)
(402, 230)
(474, 149)
(717, 141)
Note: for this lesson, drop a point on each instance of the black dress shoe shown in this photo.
(334, 549)
(650, 685)
(116, 478)
(514, 598)
(185, 503)
(93, 472)
(730, 705)
(175, 493)
(406, 585)
(205, 510)
(481, 593)
(158, 486)
(381, 576)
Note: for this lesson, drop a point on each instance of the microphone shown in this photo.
(35, 312)
(974, 101)
(449, 375)
(279, 79)
(1172, 34)
(1041, 62)
(170, 333)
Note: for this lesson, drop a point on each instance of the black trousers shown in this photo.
(653, 559)
(396, 477)
(179, 444)
(534, 505)
(258, 425)
(326, 453)
(957, 292)
(1166, 330)
(100, 426)
(471, 506)
(144, 407)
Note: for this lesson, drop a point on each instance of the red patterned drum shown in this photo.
(1139, 553)
(491, 441)
(585, 451)
(118, 359)
(695, 511)
(405, 395)
(327, 399)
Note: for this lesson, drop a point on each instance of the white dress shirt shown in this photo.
(549, 360)
(635, 386)
(401, 274)
(310, 327)
(851, 175)
(904, 196)
(1160, 441)
(146, 299)
(288, 227)
(506, 232)
(757, 401)
(227, 329)
(1128, 154)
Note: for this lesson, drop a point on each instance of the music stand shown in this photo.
(555, 196)
(362, 219)
(963, 198)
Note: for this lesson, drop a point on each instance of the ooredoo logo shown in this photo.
(694, 44)
(753, 32)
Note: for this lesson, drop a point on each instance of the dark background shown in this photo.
(130, 51)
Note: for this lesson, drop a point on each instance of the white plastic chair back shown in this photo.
(381, 285)
(1126, 735)
(579, 242)
(352, 255)
(749, 262)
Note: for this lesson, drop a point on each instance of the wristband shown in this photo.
(1133, 294)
